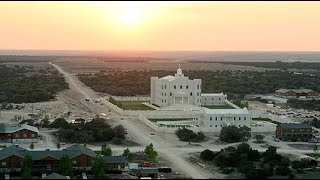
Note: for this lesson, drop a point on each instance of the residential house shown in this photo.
(18, 133)
(115, 163)
(294, 132)
(12, 156)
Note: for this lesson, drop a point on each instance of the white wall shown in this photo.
(208, 99)
(113, 107)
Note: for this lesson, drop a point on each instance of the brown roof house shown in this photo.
(18, 133)
(294, 132)
(46, 160)
(297, 93)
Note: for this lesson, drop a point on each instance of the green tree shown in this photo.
(259, 138)
(65, 165)
(243, 148)
(231, 134)
(207, 155)
(126, 153)
(316, 151)
(116, 140)
(98, 166)
(59, 123)
(101, 174)
(58, 145)
(119, 132)
(26, 167)
(45, 122)
(31, 146)
(282, 170)
(150, 152)
(106, 150)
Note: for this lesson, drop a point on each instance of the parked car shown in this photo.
(152, 133)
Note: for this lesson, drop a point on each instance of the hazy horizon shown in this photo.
(249, 56)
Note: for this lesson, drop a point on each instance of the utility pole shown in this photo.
(32, 113)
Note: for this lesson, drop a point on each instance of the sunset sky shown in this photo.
(195, 26)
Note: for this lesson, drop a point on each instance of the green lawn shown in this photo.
(170, 119)
(226, 106)
(133, 105)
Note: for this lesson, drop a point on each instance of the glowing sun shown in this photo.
(131, 13)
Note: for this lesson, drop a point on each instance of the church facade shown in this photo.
(178, 89)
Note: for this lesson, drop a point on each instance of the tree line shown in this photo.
(249, 162)
(129, 83)
(97, 130)
(304, 104)
(20, 84)
(279, 64)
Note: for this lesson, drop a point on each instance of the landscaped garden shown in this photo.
(130, 105)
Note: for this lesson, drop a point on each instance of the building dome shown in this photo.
(179, 71)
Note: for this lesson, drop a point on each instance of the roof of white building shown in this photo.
(181, 107)
(169, 77)
(213, 94)
(226, 111)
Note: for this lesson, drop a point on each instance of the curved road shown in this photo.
(169, 151)
(137, 132)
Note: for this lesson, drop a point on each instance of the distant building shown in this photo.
(148, 172)
(215, 119)
(294, 132)
(11, 158)
(18, 133)
(213, 99)
(297, 93)
(115, 163)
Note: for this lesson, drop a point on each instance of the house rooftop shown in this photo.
(295, 125)
(226, 111)
(72, 151)
(13, 150)
(11, 128)
(114, 159)
(148, 170)
(55, 176)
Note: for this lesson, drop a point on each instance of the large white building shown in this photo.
(181, 93)
(215, 119)
(213, 99)
(178, 89)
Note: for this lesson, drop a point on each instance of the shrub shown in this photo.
(188, 135)
(259, 138)
(227, 170)
(282, 170)
(207, 155)
(116, 141)
(231, 134)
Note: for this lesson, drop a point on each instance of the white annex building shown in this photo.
(180, 93)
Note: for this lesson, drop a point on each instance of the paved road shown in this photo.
(141, 136)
